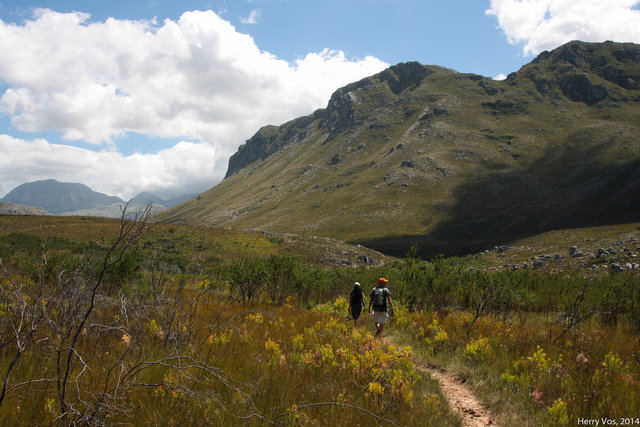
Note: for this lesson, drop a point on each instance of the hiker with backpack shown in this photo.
(356, 302)
(380, 299)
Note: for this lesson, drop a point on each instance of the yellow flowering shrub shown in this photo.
(478, 350)
(558, 413)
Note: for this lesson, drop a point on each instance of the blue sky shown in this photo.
(155, 95)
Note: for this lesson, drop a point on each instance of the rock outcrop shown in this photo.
(8, 208)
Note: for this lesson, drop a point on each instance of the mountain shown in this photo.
(449, 161)
(145, 198)
(178, 200)
(58, 197)
(63, 198)
(8, 208)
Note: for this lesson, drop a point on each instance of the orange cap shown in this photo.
(382, 280)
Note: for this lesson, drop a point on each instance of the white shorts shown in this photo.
(380, 317)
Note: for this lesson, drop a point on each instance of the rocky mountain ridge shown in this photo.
(450, 161)
(569, 66)
(338, 117)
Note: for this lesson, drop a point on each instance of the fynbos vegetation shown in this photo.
(98, 330)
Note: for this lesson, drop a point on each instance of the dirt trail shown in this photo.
(459, 395)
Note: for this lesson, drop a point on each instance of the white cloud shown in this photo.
(195, 78)
(252, 18)
(546, 24)
(184, 168)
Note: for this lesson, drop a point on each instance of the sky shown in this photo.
(128, 96)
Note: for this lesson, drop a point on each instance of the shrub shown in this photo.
(478, 350)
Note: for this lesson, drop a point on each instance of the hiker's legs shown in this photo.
(380, 318)
(356, 310)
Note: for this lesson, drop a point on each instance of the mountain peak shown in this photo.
(404, 75)
(146, 197)
(581, 71)
(339, 115)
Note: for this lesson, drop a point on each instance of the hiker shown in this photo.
(356, 302)
(380, 298)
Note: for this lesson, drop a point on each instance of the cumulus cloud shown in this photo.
(196, 78)
(546, 24)
(184, 168)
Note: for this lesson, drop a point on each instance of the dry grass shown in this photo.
(185, 244)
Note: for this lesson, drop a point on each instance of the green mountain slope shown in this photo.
(449, 161)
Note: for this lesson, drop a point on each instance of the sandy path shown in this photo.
(460, 397)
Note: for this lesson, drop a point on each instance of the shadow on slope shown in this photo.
(567, 187)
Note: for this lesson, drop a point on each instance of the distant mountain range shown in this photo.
(63, 198)
(449, 161)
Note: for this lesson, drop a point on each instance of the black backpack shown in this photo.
(378, 297)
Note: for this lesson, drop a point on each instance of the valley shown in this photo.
(504, 215)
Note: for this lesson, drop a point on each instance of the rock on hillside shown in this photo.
(582, 71)
(449, 161)
(7, 208)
